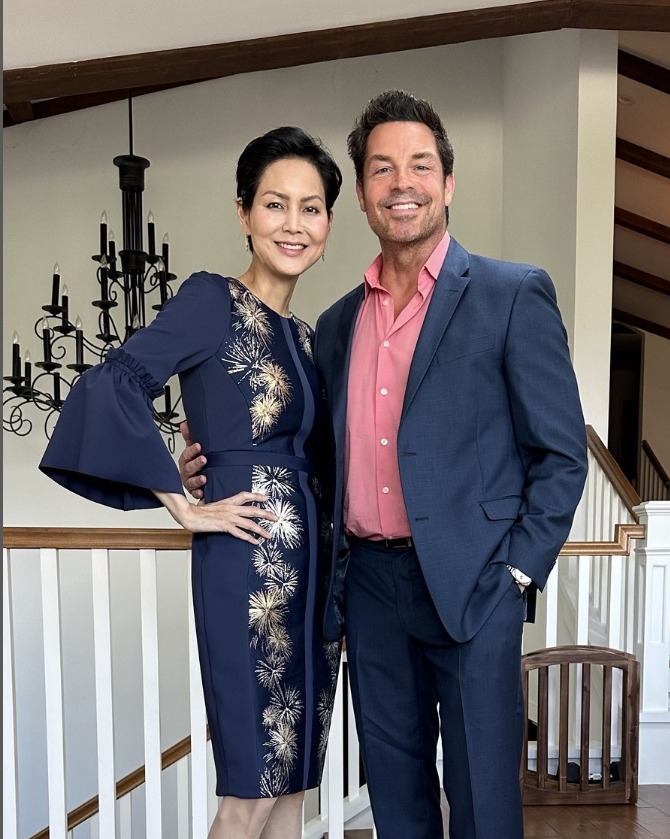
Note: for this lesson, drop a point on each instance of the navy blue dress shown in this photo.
(252, 398)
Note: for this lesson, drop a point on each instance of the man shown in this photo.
(459, 461)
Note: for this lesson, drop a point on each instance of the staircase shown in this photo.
(101, 680)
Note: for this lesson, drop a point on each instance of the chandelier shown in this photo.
(128, 281)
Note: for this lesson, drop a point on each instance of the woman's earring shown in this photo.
(323, 257)
(247, 243)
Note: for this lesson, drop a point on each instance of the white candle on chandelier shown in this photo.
(46, 340)
(16, 356)
(55, 285)
(152, 234)
(65, 306)
(27, 370)
(103, 234)
(79, 342)
(112, 247)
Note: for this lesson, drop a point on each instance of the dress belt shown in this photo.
(257, 458)
(401, 543)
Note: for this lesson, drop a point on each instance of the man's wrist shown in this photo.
(522, 579)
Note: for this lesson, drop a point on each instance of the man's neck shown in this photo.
(401, 266)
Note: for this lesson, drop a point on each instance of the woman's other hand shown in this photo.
(190, 464)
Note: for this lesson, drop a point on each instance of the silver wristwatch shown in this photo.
(521, 578)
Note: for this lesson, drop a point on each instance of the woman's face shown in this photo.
(288, 222)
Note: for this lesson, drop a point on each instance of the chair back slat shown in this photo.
(563, 727)
(585, 734)
(606, 733)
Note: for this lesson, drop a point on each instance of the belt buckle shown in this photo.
(402, 542)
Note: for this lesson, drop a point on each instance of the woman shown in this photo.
(252, 396)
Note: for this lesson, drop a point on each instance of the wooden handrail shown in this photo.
(656, 463)
(620, 546)
(85, 538)
(125, 786)
(611, 468)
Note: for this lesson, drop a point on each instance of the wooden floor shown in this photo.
(648, 819)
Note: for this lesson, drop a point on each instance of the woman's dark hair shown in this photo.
(279, 144)
(397, 106)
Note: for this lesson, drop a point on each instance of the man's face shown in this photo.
(404, 191)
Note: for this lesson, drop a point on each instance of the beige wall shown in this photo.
(558, 185)
(59, 176)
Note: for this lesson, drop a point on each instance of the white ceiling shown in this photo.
(37, 32)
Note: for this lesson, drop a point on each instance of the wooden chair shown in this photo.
(573, 783)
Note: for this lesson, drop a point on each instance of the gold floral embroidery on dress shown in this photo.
(268, 610)
(252, 320)
(247, 357)
(304, 336)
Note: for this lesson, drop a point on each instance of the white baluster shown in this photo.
(102, 641)
(198, 763)
(601, 511)
(353, 751)
(125, 817)
(616, 614)
(551, 599)
(334, 765)
(53, 690)
(324, 797)
(10, 800)
(583, 599)
(182, 799)
(150, 683)
(631, 601)
(212, 800)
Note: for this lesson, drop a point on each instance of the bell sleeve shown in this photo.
(105, 445)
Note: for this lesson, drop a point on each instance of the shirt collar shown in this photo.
(427, 276)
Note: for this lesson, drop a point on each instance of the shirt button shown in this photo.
(387, 343)
(385, 302)
(385, 490)
(383, 391)
(384, 441)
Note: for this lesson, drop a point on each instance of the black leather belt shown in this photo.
(401, 543)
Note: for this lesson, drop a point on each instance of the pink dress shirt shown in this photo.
(381, 354)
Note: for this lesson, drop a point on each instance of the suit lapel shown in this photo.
(449, 287)
(341, 360)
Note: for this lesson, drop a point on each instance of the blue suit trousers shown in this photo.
(410, 680)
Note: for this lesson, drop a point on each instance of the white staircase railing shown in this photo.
(109, 611)
(654, 480)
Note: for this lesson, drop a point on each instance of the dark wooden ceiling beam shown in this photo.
(20, 111)
(219, 60)
(191, 64)
(67, 104)
(652, 161)
(643, 71)
(640, 224)
(641, 278)
(641, 323)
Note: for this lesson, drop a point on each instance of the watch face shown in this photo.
(519, 576)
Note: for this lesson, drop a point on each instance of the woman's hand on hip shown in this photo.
(236, 515)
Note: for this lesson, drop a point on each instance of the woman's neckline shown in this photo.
(290, 315)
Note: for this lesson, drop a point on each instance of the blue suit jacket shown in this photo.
(491, 443)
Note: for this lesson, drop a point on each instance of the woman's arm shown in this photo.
(234, 515)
